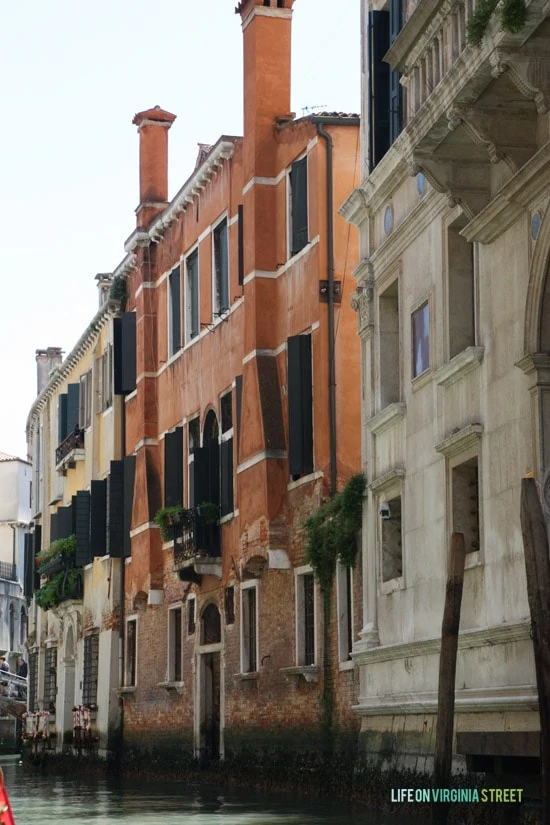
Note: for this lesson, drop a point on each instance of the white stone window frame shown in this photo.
(170, 639)
(457, 449)
(170, 351)
(289, 255)
(344, 605)
(299, 573)
(425, 375)
(450, 223)
(85, 404)
(216, 318)
(386, 488)
(127, 670)
(384, 283)
(249, 585)
(187, 295)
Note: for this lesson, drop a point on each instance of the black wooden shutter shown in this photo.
(29, 568)
(241, 244)
(213, 471)
(175, 308)
(298, 192)
(54, 532)
(98, 516)
(36, 547)
(379, 79)
(73, 398)
(82, 512)
(62, 418)
(300, 405)
(124, 357)
(128, 492)
(65, 522)
(396, 96)
(239, 407)
(173, 468)
(226, 459)
(115, 510)
(201, 490)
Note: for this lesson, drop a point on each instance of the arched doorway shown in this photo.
(209, 690)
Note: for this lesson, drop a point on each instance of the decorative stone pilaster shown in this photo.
(537, 368)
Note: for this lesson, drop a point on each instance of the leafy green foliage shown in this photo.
(60, 547)
(513, 17)
(118, 291)
(168, 518)
(332, 531)
(209, 511)
(63, 586)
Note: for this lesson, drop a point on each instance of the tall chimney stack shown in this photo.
(46, 360)
(266, 28)
(153, 125)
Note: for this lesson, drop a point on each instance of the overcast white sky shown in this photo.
(72, 77)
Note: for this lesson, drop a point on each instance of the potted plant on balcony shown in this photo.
(209, 511)
(65, 585)
(172, 518)
(57, 556)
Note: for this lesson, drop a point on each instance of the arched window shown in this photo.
(211, 628)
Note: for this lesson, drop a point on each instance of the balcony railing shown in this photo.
(196, 539)
(66, 452)
(8, 571)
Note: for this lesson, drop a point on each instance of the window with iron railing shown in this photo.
(91, 670)
(50, 678)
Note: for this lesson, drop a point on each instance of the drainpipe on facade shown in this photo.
(319, 122)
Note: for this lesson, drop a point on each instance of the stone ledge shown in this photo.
(387, 417)
(177, 686)
(459, 366)
(460, 441)
(470, 700)
(309, 672)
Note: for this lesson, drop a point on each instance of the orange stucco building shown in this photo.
(241, 414)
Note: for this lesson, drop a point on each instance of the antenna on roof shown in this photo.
(307, 109)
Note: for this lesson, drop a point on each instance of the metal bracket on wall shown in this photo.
(337, 292)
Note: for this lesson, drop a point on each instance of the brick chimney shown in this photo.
(153, 125)
(46, 360)
(266, 32)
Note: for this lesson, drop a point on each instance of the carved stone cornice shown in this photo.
(355, 209)
(529, 72)
(362, 303)
(459, 366)
(387, 417)
(363, 272)
(460, 441)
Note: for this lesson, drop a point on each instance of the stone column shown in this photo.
(537, 368)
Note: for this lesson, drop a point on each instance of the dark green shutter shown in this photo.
(54, 532)
(300, 405)
(36, 548)
(62, 418)
(173, 468)
(124, 355)
(98, 517)
(226, 459)
(396, 91)
(117, 356)
(28, 582)
(65, 522)
(379, 82)
(82, 528)
(73, 398)
(298, 192)
(241, 244)
(115, 510)
(175, 308)
(129, 482)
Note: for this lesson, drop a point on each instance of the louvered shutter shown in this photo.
(173, 468)
(82, 528)
(65, 522)
(115, 510)
(54, 533)
(226, 460)
(36, 547)
(298, 193)
(73, 399)
(128, 492)
(124, 341)
(98, 516)
(29, 567)
(379, 80)
(175, 308)
(300, 405)
(396, 92)
(62, 418)
(241, 244)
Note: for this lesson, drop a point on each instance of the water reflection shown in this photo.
(45, 799)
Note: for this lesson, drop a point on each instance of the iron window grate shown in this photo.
(50, 678)
(91, 668)
(33, 682)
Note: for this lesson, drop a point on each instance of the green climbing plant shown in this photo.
(513, 17)
(168, 518)
(60, 547)
(63, 586)
(332, 536)
(118, 291)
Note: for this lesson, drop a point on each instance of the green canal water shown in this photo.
(46, 799)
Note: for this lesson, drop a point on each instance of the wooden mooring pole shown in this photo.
(447, 674)
(537, 568)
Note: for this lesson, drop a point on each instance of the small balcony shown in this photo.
(70, 451)
(8, 571)
(197, 546)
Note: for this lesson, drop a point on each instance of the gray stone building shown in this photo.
(453, 302)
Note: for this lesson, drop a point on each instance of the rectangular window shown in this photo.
(50, 678)
(420, 324)
(33, 682)
(192, 296)
(465, 502)
(305, 618)
(249, 628)
(131, 653)
(392, 549)
(107, 377)
(344, 582)
(220, 303)
(460, 292)
(85, 401)
(298, 218)
(226, 455)
(229, 605)
(191, 615)
(300, 405)
(173, 468)
(174, 645)
(390, 347)
(91, 670)
(193, 443)
(385, 109)
(174, 311)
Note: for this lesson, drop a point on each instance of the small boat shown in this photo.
(6, 816)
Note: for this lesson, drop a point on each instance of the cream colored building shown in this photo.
(453, 302)
(74, 433)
